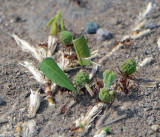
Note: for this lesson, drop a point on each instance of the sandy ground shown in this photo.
(27, 19)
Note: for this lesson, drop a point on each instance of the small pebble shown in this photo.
(1, 21)
(155, 127)
(1, 101)
(150, 25)
(17, 19)
(91, 27)
(103, 34)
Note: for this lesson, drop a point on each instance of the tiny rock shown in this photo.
(103, 34)
(155, 127)
(91, 27)
(150, 25)
(1, 101)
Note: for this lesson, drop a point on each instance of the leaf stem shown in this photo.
(89, 90)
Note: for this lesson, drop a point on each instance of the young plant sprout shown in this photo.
(106, 95)
(82, 79)
(84, 122)
(103, 132)
(34, 103)
(54, 24)
(127, 69)
(66, 37)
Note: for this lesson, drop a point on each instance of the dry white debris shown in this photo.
(140, 25)
(35, 72)
(94, 71)
(51, 45)
(29, 128)
(146, 11)
(90, 116)
(36, 52)
(144, 62)
(141, 34)
(101, 133)
(158, 43)
(155, 127)
(34, 103)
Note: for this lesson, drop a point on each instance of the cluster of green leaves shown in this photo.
(128, 67)
(105, 94)
(50, 68)
(54, 24)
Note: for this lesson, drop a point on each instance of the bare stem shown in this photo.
(89, 90)
(49, 92)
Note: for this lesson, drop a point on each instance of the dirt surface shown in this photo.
(27, 19)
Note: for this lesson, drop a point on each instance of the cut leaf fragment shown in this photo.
(50, 69)
(82, 50)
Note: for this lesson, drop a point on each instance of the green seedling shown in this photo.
(105, 94)
(66, 37)
(81, 126)
(108, 78)
(82, 79)
(50, 69)
(128, 67)
(106, 129)
(54, 24)
(103, 132)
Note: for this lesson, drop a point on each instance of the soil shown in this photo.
(27, 19)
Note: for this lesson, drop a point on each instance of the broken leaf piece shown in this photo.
(82, 50)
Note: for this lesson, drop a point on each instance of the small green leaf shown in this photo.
(81, 126)
(105, 77)
(54, 28)
(106, 128)
(111, 78)
(50, 21)
(61, 23)
(50, 69)
(108, 78)
(82, 50)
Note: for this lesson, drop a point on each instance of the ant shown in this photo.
(125, 42)
(71, 57)
(77, 1)
(74, 129)
(43, 45)
(124, 82)
(63, 110)
(80, 2)
(63, 89)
